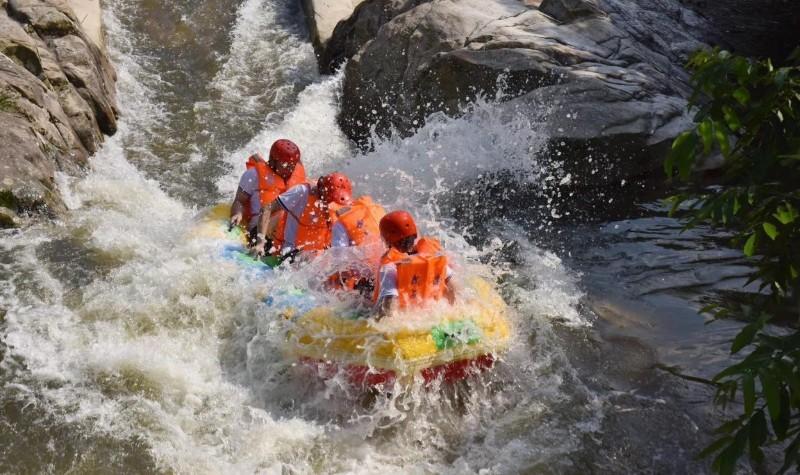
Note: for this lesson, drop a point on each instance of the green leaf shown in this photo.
(781, 425)
(706, 131)
(786, 213)
(730, 426)
(758, 435)
(790, 377)
(749, 391)
(682, 154)
(742, 95)
(722, 139)
(744, 337)
(750, 246)
(771, 230)
(675, 202)
(779, 114)
(731, 118)
(732, 452)
(771, 394)
(736, 206)
(715, 446)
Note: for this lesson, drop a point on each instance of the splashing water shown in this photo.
(121, 333)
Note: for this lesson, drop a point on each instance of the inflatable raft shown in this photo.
(448, 343)
(443, 343)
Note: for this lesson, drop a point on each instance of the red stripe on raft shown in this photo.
(457, 370)
(358, 375)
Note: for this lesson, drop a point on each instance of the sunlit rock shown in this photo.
(57, 97)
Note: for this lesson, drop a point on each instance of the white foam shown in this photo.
(267, 59)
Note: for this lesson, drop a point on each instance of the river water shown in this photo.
(127, 347)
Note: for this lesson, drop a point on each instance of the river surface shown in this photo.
(126, 347)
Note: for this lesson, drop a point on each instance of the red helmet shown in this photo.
(284, 155)
(335, 188)
(396, 226)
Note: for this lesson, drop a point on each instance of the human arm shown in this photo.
(238, 206)
(387, 290)
(450, 293)
(385, 307)
(266, 227)
(292, 201)
(339, 236)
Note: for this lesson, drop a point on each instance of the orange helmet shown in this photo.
(396, 226)
(284, 155)
(335, 188)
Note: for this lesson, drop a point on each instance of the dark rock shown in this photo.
(570, 10)
(760, 28)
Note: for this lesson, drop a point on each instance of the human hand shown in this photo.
(258, 249)
(236, 220)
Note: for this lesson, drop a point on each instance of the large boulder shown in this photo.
(57, 99)
(610, 72)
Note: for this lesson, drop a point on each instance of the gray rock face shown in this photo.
(351, 34)
(614, 66)
(57, 98)
(570, 10)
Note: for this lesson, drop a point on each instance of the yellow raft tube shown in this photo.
(445, 342)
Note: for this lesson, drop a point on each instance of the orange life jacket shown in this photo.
(270, 185)
(313, 226)
(421, 275)
(361, 221)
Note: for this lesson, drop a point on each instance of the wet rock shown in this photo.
(57, 98)
(616, 66)
(8, 219)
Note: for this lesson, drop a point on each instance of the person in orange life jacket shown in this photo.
(263, 181)
(413, 271)
(309, 215)
(357, 226)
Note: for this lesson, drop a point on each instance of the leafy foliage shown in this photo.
(749, 112)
